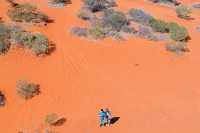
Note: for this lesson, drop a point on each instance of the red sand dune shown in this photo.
(161, 94)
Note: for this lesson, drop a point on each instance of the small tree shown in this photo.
(183, 11)
(27, 90)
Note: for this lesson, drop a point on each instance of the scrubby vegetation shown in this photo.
(27, 90)
(114, 19)
(11, 35)
(139, 16)
(2, 99)
(27, 13)
(59, 3)
(177, 32)
(12, 3)
(37, 42)
(4, 38)
(183, 11)
(158, 25)
(99, 5)
(177, 46)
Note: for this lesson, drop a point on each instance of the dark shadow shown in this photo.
(52, 48)
(60, 122)
(114, 120)
(50, 21)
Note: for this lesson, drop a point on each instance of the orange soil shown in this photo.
(160, 95)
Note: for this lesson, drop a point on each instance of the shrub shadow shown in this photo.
(114, 120)
(60, 122)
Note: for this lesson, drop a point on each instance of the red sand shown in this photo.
(160, 95)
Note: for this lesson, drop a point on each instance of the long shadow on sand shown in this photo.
(114, 120)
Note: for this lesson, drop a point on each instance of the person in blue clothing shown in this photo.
(102, 115)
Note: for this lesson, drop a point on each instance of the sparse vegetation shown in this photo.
(2, 99)
(81, 32)
(97, 32)
(158, 25)
(27, 13)
(85, 14)
(177, 32)
(114, 19)
(27, 90)
(37, 42)
(183, 11)
(139, 16)
(177, 46)
(4, 38)
(99, 5)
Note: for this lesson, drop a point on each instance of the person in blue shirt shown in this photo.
(102, 115)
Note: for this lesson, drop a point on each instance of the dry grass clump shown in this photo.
(27, 90)
(54, 120)
(27, 13)
(183, 11)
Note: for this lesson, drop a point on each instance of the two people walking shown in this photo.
(105, 117)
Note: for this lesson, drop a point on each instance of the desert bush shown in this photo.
(97, 32)
(128, 29)
(114, 19)
(183, 11)
(27, 90)
(177, 32)
(158, 25)
(139, 16)
(12, 3)
(145, 32)
(99, 5)
(40, 44)
(4, 38)
(27, 13)
(60, 1)
(2, 99)
(177, 46)
(79, 31)
(37, 42)
(85, 14)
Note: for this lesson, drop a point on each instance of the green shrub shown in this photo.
(177, 32)
(115, 19)
(183, 11)
(27, 90)
(27, 13)
(158, 25)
